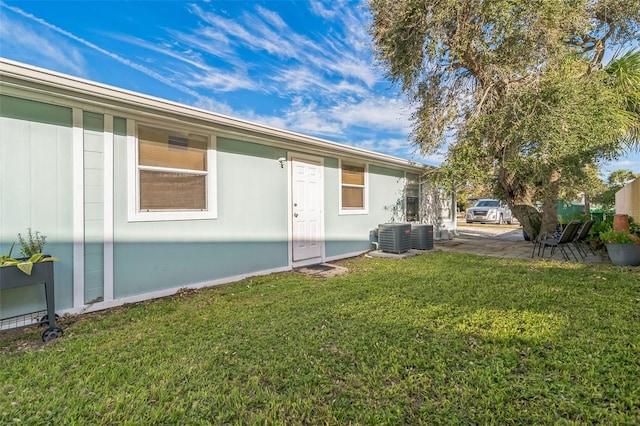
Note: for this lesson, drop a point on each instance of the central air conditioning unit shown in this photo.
(422, 237)
(394, 237)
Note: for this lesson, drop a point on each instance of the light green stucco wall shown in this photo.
(36, 192)
(351, 233)
(249, 234)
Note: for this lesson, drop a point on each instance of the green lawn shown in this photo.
(436, 339)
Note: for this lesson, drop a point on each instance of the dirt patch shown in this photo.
(322, 270)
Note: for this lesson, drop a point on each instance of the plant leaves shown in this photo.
(7, 261)
(25, 267)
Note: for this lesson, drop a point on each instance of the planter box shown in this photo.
(41, 273)
(624, 254)
(12, 277)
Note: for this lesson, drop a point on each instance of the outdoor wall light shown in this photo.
(282, 160)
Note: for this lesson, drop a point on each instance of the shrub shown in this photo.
(32, 244)
(617, 237)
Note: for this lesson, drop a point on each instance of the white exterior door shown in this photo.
(306, 208)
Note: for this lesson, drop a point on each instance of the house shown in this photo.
(628, 200)
(140, 196)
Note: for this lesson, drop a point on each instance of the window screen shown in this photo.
(172, 170)
(353, 187)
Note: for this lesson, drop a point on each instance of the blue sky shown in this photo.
(305, 66)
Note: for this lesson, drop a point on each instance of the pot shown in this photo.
(624, 254)
(621, 222)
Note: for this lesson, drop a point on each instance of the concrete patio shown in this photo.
(502, 242)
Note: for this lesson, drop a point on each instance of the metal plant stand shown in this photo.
(42, 273)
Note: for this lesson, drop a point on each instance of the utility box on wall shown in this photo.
(394, 237)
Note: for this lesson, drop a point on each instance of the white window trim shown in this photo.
(406, 185)
(133, 193)
(365, 210)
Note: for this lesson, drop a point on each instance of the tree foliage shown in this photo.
(605, 193)
(620, 177)
(516, 89)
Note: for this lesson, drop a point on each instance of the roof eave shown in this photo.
(19, 74)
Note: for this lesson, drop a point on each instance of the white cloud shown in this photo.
(330, 58)
(319, 9)
(306, 81)
(307, 117)
(378, 113)
(220, 80)
(273, 18)
(213, 105)
(360, 70)
(50, 50)
(630, 162)
(261, 37)
(141, 68)
(326, 81)
(172, 50)
(210, 42)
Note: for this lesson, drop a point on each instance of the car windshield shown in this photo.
(487, 203)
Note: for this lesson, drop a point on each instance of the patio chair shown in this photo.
(581, 236)
(536, 243)
(540, 237)
(564, 241)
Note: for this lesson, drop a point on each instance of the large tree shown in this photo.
(516, 89)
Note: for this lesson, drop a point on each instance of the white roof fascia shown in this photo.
(27, 77)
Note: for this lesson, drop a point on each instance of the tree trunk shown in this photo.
(528, 216)
(587, 205)
(550, 205)
(519, 197)
(549, 216)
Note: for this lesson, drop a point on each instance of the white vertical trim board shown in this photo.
(288, 170)
(212, 177)
(132, 170)
(323, 210)
(108, 204)
(78, 208)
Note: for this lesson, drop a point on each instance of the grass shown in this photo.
(436, 339)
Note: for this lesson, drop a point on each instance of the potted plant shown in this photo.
(623, 248)
(594, 234)
(34, 268)
(634, 228)
(31, 248)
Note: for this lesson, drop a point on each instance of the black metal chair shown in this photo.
(536, 243)
(540, 237)
(564, 241)
(581, 236)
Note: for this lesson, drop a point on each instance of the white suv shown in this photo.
(487, 210)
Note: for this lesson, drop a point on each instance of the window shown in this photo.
(353, 185)
(412, 198)
(172, 175)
